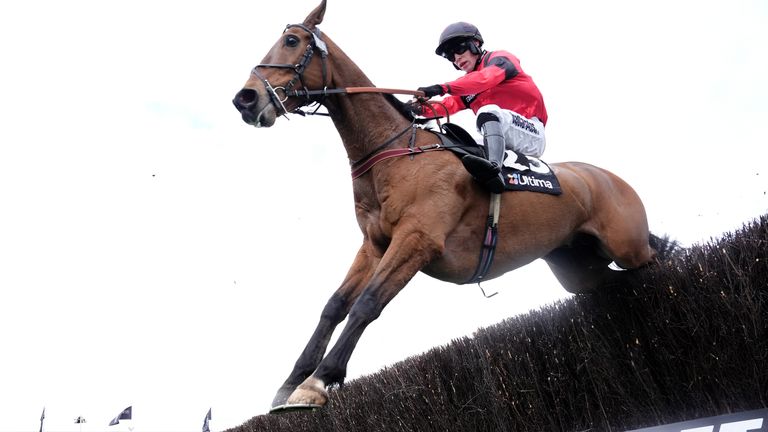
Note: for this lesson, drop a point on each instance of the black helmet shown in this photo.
(458, 30)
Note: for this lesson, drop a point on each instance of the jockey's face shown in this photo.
(465, 60)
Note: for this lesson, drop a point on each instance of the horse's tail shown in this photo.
(665, 247)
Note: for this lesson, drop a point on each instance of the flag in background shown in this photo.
(125, 414)
(42, 417)
(206, 427)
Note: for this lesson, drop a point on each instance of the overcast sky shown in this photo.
(157, 252)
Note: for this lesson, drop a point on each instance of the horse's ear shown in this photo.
(316, 16)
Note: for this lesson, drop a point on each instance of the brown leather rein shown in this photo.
(353, 90)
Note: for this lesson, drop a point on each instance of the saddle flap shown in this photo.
(459, 134)
(456, 139)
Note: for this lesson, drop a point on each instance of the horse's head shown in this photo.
(297, 61)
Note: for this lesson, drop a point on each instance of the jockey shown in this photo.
(510, 109)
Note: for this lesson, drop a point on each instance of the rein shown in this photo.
(352, 90)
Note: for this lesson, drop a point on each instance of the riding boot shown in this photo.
(488, 171)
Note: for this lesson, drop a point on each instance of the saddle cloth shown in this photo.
(521, 172)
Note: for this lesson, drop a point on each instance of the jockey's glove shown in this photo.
(433, 90)
(415, 108)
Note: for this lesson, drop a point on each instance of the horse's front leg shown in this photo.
(403, 259)
(333, 313)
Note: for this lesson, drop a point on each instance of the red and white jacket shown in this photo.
(497, 79)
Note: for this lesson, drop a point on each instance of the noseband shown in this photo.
(298, 71)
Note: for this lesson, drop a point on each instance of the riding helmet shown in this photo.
(457, 30)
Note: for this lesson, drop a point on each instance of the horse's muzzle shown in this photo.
(255, 110)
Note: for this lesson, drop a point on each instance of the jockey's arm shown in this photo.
(499, 69)
(481, 80)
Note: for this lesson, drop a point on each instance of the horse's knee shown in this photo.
(367, 307)
(333, 368)
(336, 309)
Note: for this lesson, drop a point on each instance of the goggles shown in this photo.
(459, 48)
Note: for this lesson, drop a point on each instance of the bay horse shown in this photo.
(426, 213)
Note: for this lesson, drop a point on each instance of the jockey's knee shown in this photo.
(489, 113)
(485, 117)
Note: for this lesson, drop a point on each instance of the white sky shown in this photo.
(157, 252)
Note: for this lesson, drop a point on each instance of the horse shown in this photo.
(423, 213)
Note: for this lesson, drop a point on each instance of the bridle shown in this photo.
(309, 96)
(298, 72)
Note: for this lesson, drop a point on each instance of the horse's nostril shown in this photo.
(245, 98)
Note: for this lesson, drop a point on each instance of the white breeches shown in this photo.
(522, 135)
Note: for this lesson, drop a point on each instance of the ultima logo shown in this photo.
(525, 180)
(750, 421)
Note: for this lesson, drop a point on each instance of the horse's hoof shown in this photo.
(282, 409)
(310, 392)
(281, 397)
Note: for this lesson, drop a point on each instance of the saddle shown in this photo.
(522, 173)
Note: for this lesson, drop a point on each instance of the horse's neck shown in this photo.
(364, 120)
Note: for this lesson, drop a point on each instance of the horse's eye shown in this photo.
(291, 41)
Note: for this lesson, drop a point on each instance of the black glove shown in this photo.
(433, 90)
(414, 107)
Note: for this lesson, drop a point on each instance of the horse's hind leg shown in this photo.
(579, 266)
(582, 266)
(334, 312)
(628, 245)
(621, 224)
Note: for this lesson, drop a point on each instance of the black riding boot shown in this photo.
(488, 172)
